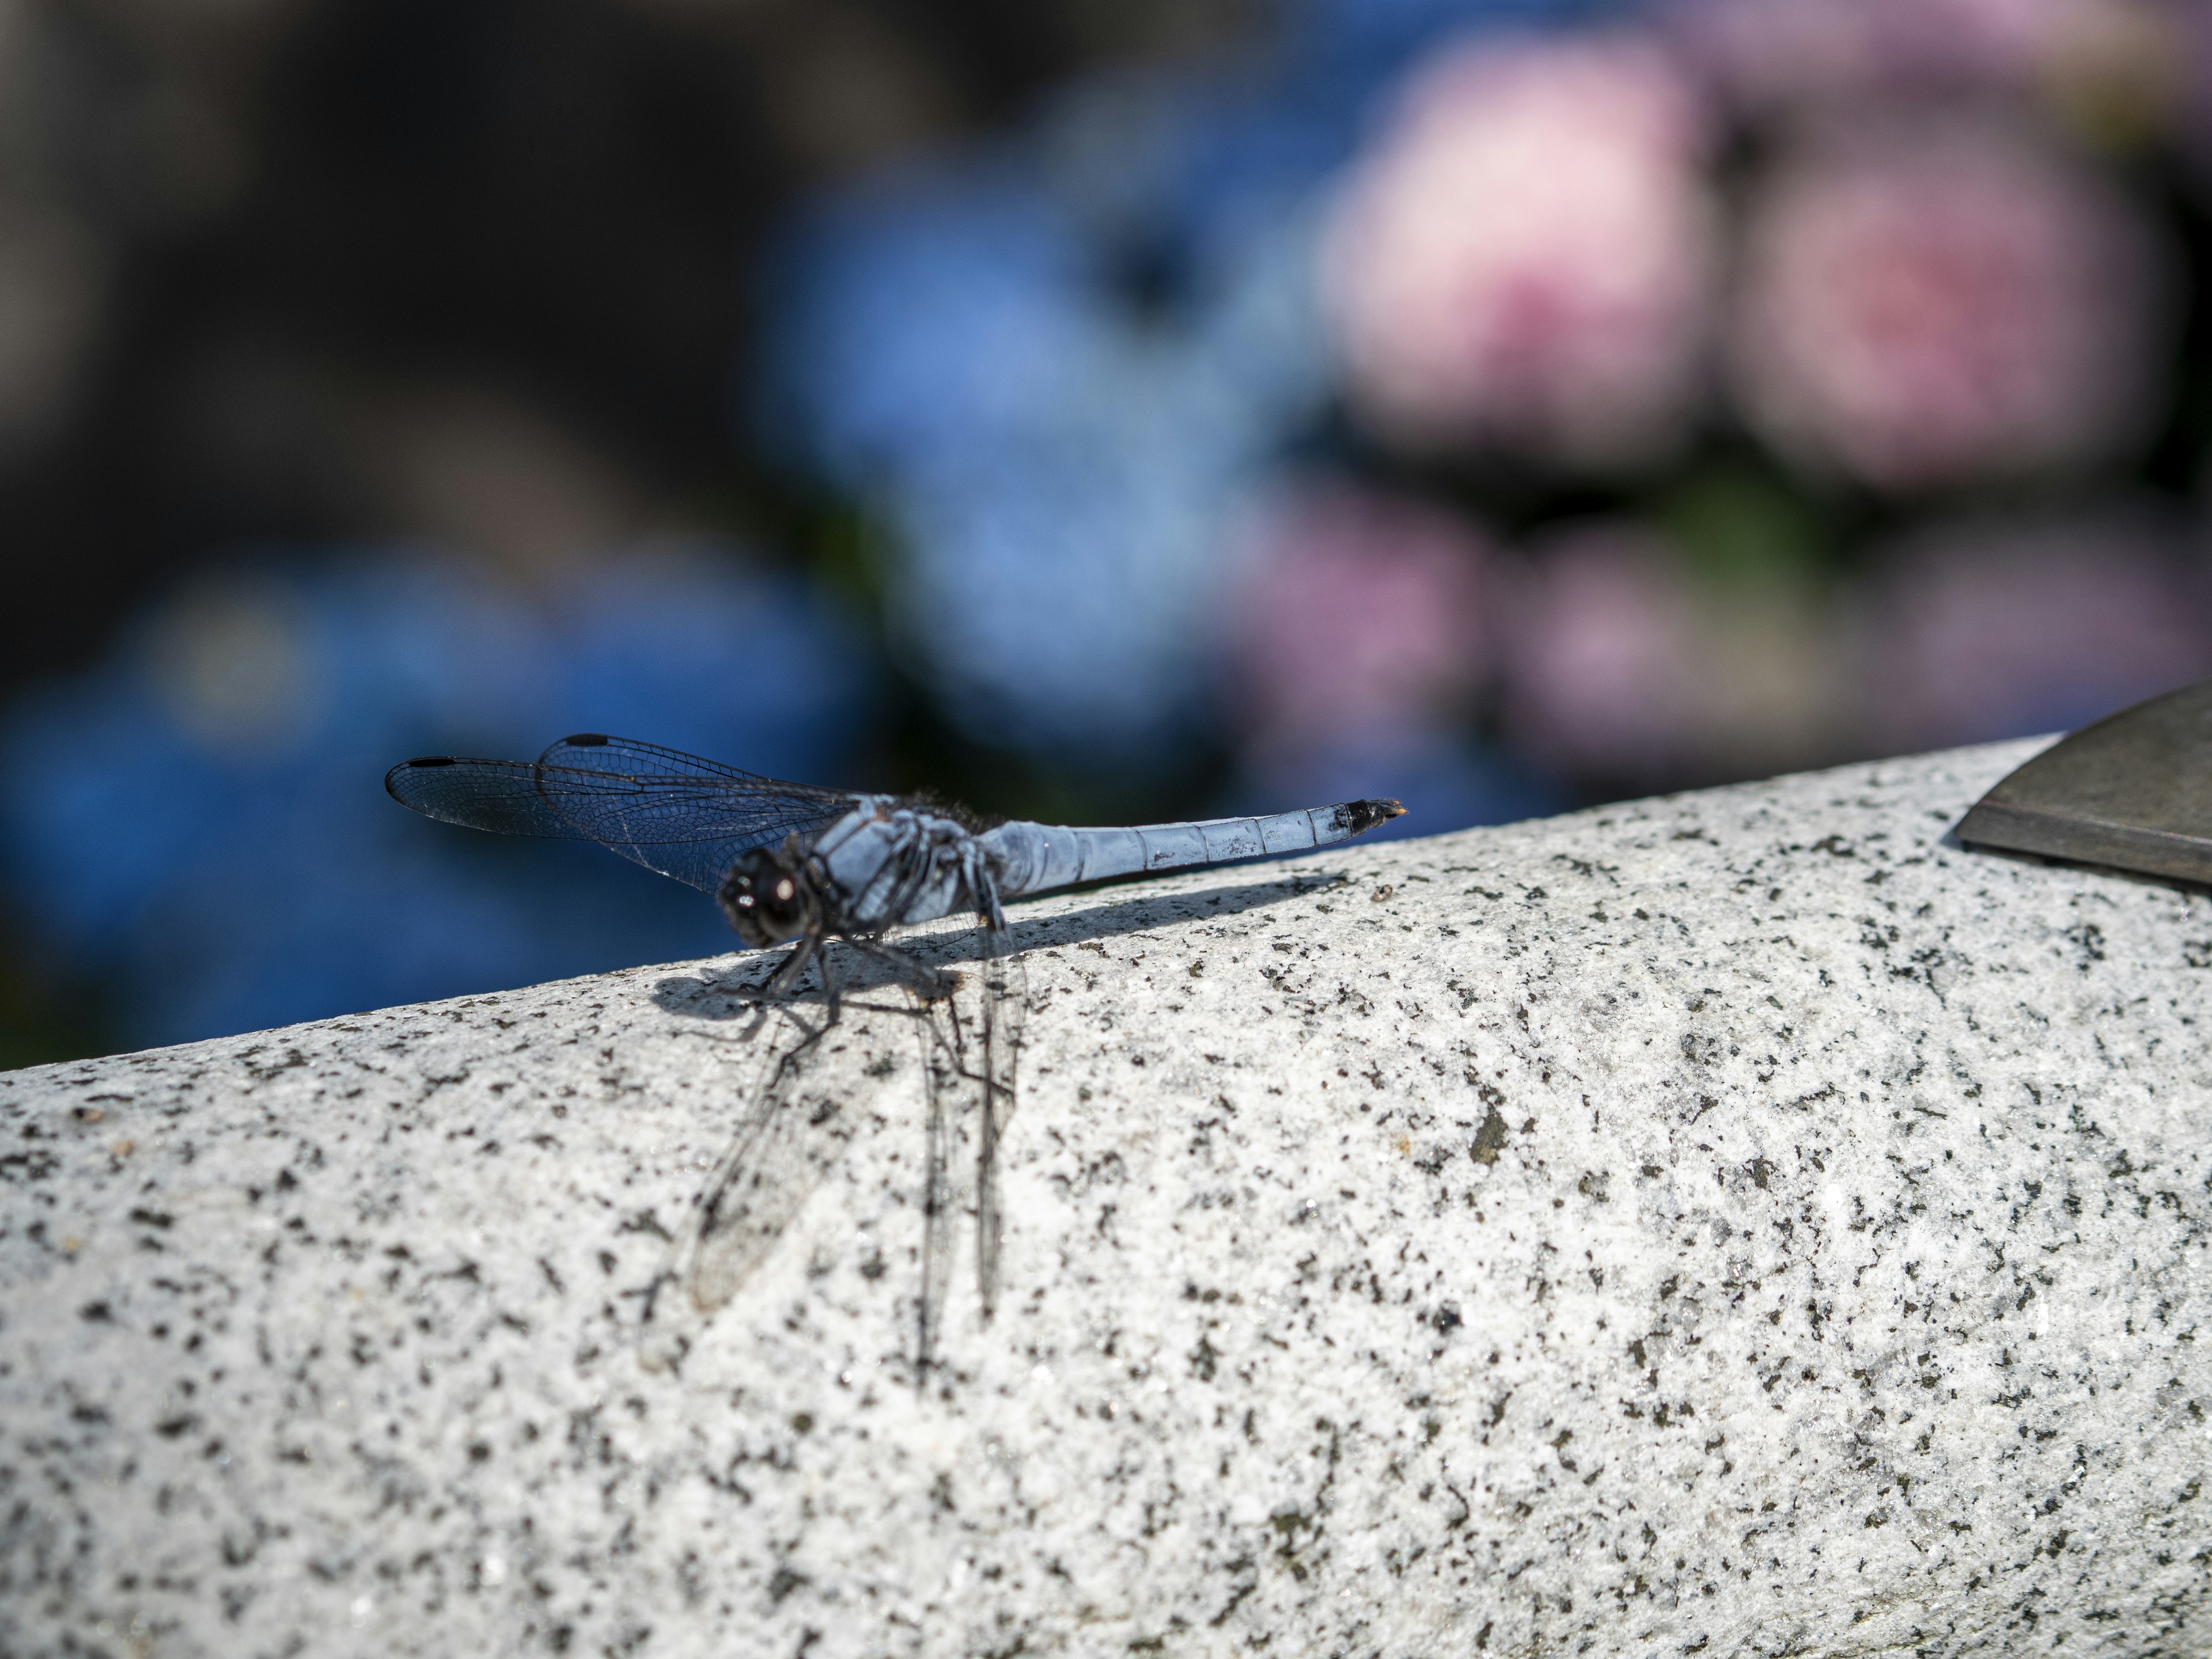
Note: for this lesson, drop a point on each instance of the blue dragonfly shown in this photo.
(798, 864)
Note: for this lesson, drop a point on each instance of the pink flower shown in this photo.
(1524, 258)
(1601, 671)
(2116, 72)
(1927, 303)
(1996, 629)
(1626, 669)
(1776, 52)
(1355, 611)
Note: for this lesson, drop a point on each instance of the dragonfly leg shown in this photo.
(786, 977)
(931, 982)
(831, 988)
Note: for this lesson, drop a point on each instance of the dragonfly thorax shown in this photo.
(886, 864)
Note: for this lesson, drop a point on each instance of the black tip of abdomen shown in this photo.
(1361, 815)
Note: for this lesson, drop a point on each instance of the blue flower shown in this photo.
(1055, 366)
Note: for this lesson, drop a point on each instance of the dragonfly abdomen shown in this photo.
(1035, 858)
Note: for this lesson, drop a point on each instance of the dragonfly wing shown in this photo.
(672, 812)
(500, 796)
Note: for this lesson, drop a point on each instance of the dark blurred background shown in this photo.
(1092, 409)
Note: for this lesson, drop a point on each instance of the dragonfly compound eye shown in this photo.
(763, 900)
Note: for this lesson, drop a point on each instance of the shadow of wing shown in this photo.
(970, 1042)
(796, 1129)
(790, 1139)
(806, 1104)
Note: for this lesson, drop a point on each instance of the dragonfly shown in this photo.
(797, 865)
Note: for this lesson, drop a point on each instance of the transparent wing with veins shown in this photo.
(674, 813)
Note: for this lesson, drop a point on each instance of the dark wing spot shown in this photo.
(433, 760)
(587, 739)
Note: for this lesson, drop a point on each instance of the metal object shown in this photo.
(791, 863)
(2133, 791)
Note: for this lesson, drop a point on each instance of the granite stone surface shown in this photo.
(1741, 1222)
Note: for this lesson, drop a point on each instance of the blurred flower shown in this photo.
(2108, 69)
(1053, 367)
(920, 314)
(1771, 51)
(1055, 459)
(1601, 668)
(1057, 593)
(1924, 303)
(1992, 628)
(1524, 258)
(1358, 635)
(197, 819)
(1626, 670)
(1354, 612)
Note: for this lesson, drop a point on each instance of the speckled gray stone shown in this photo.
(1736, 1223)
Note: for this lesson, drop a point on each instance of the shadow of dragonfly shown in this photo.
(799, 1117)
(836, 874)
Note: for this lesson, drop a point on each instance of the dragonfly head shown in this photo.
(766, 898)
